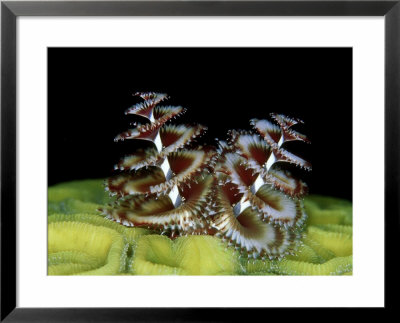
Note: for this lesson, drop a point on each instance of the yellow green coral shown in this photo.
(328, 210)
(70, 242)
(82, 242)
(191, 255)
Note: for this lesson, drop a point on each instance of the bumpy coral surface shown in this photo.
(82, 241)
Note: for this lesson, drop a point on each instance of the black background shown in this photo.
(222, 88)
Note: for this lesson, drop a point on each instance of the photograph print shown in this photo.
(200, 161)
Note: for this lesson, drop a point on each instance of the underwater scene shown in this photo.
(148, 189)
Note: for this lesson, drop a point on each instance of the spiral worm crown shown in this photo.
(238, 191)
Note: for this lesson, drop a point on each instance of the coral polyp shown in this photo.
(239, 191)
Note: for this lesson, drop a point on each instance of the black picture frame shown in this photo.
(10, 10)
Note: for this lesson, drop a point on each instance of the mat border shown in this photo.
(10, 10)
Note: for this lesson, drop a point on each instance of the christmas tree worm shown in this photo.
(238, 191)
